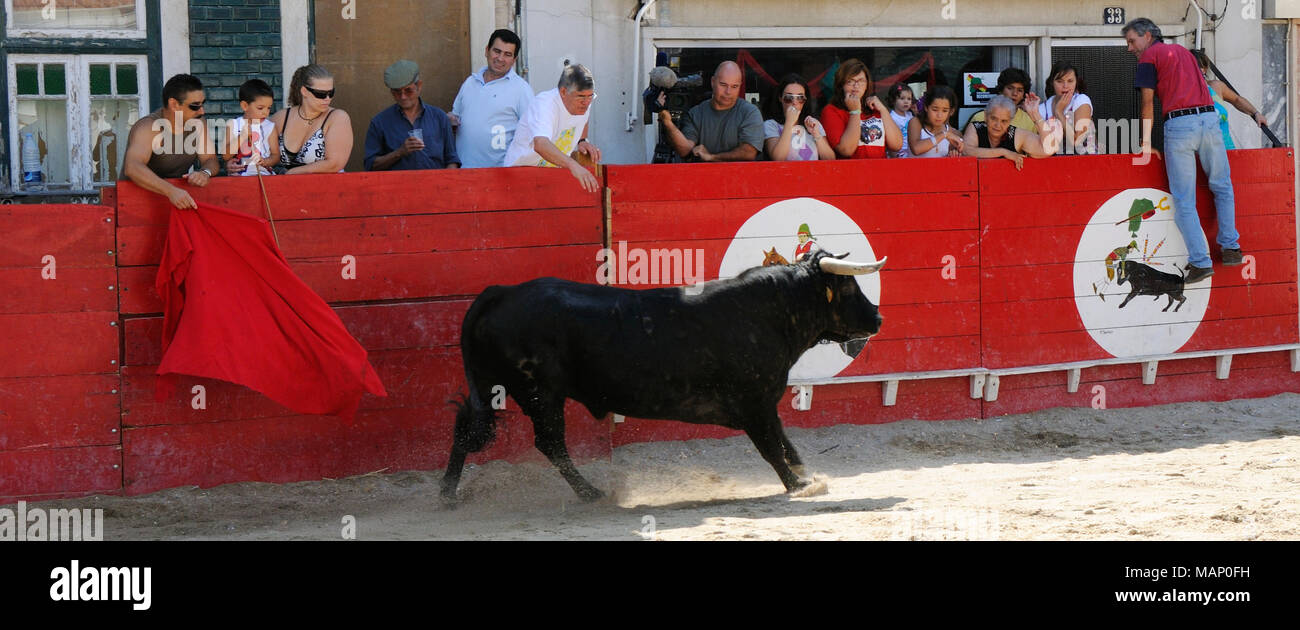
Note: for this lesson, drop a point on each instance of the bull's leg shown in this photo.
(771, 442)
(548, 436)
(1171, 303)
(1130, 297)
(791, 455)
(1181, 299)
(451, 479)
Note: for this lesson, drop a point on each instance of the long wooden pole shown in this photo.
(267, 204)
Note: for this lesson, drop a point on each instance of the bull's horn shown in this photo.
(851, 268)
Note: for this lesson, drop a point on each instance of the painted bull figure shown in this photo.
(718, 353)
(1147, 281)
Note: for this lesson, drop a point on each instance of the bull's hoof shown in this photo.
(448, 500)
(809, 488)
(590, 494)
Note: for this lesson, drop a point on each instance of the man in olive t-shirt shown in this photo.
(151, 157)
(725, 128)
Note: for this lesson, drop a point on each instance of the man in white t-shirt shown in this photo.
(554, 128)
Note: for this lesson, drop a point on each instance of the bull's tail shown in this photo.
(476, 420)
(476, 423)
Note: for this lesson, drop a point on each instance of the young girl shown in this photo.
(900, 100)
(928, 133)
(1071, 106)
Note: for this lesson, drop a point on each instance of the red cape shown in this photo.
(235, 311)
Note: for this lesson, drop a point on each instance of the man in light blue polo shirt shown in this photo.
(489, 104)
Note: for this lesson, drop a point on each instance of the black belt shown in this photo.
(1189, 111)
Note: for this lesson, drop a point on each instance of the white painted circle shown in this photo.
(777, 226)
(1141, 327)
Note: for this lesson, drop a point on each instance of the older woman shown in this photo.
(321, 134)
(1016, 85)
(996, 137)
(853, 132)
(789, 132)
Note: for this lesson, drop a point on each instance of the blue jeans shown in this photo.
(1186, 138)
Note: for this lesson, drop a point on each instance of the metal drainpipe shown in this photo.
(1200, 21)
(521, 63)
(635, 96)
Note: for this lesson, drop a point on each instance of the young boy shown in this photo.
(248, 135)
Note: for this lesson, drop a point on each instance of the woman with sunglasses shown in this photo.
(322, 134)
(789, 132)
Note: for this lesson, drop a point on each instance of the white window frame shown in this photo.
(140, 32)
(77, 74)
(656, 38)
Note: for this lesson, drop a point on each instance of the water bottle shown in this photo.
(33, 178)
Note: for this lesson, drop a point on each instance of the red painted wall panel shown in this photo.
(405, 276)
(372, 194)
(1130, 392)
(694, 182)
(76, 235)
(28, 474)
(50, 344)
(71, 289)
(296, 448)
(59, 411)
(401, 234)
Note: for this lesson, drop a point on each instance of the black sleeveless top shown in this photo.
(1008, 140)
(312, 149)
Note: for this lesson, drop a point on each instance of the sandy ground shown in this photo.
(1194, 471)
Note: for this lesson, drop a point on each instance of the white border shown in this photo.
(174, 23)
(295, 51)
(482, 22)
(141, 31)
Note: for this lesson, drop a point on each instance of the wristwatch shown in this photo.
(204, 170)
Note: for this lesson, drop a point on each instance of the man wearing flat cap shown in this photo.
(411, 134)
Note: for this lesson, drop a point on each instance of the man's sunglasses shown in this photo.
(194, 107)
(321, 94)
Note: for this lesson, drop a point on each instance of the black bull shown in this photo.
(720, 354)
(1148, 281)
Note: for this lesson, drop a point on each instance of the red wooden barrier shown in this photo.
(988, 268)
(59, 406)
(1041, 236)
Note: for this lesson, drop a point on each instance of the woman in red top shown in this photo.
(854, 133)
